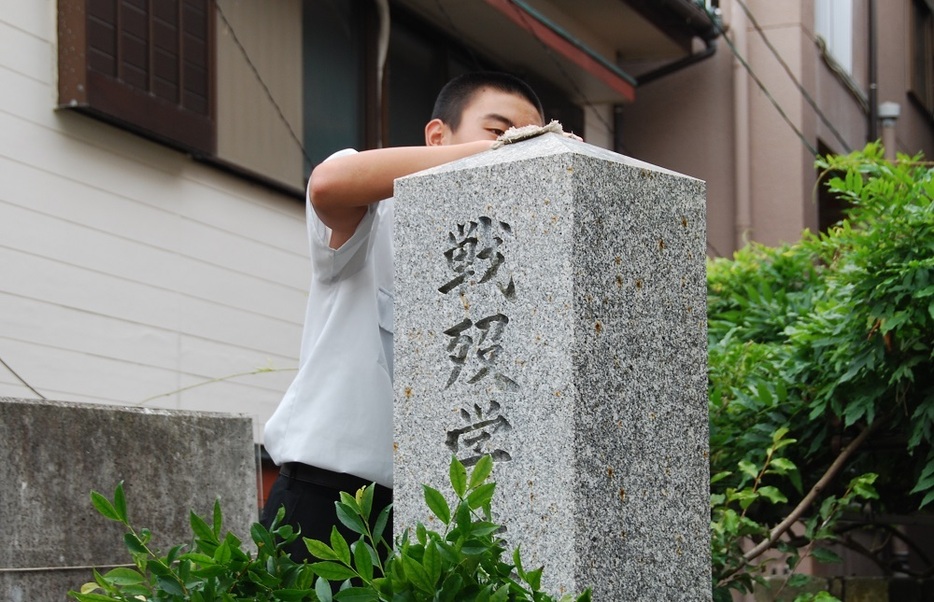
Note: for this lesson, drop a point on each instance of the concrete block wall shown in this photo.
(55, 453)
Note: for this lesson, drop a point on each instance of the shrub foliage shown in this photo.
(821, 375)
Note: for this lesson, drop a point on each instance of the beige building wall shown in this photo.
(683, 122)
(712, 121)
(128, 270)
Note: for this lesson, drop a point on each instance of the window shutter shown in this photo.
(143, 64)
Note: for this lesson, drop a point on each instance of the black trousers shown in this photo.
(308, 494)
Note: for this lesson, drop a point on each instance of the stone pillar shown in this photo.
(551, 311)
(55, 453)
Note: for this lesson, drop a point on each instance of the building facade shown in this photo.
(153, 155)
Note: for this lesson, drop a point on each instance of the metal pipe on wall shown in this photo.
(873, 74)
(741, 164)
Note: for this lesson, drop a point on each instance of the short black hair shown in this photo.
(457, 93)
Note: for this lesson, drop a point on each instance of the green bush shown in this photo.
(821, 374)
(464, 563)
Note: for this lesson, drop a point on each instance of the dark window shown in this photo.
(341, 104)
(421, 61)
(831, 209)
(335, 72)
(144, 65)
(922, 55)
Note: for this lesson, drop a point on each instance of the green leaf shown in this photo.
(349, 518)
(517, 562)
(319, 549)
(828, 507)
(124, 576)
(92, 597)
(798, 580)
(381, 521)
(218, 518)
(120, 503)
(339, 545)
(223, 554)
(363, 561)
(500, 595)
(862, 486)
(290, 595)
(483, 528)
(104, 507)
(481, 470)
(170, 585)
(782, 465)
(260, 536)
(825, 556)
(451, 588)
(458, 475)
(350, 501)
(773, 494)
(200, 528)
(432, 562)
(462, 517)
(366, 501)
(133, 543)
(481, 496)
(748, 468)
(437, 504)
(332, 571)
(356, 594)
(417, 574)
(534, 579)
(323, 590)
(745, 497)
(720, 476)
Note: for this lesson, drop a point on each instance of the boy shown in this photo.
(332, 431)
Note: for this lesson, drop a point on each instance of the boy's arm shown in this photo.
(340, 189)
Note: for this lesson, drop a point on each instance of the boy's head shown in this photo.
(480, 106)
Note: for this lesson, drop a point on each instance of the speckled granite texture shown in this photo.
(550, 310)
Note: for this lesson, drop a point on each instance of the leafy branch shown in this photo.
(819, 487)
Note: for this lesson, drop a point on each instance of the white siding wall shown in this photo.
(127, 270)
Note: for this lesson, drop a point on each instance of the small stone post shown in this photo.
(550, 311)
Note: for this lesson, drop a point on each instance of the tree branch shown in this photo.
(807, 500)
(815, 491)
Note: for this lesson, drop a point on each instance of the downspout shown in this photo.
(691, 59)
(741, 166)
(707, 26)
(873, 75)
(382, 9)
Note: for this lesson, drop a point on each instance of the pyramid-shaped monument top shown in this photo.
(548, 144)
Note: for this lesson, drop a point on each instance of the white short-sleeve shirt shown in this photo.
(337, 413)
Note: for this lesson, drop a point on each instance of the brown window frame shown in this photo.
(187, 122)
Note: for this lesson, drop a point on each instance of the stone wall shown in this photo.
(54, 454)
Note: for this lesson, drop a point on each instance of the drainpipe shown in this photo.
(741, 165)
(873, 75)
(382, 9)
(691, 59)
(707, 26)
